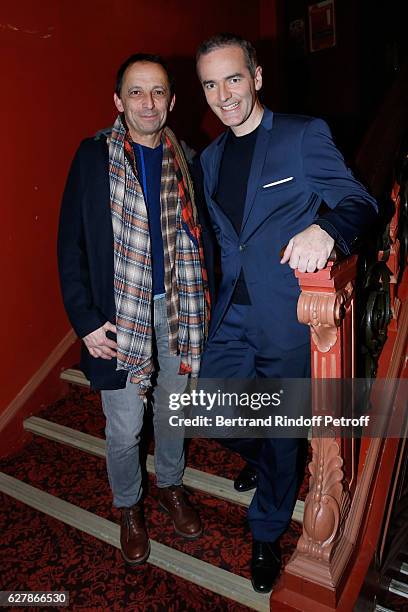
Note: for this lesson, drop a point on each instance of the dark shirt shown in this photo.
(232, 188)
(149, 167)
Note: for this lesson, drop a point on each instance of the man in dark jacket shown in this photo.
(135, 288)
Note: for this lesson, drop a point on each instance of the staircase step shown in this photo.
(75, 376)
(202, 481)
(403, 568)
(214, 579)
(398, 588)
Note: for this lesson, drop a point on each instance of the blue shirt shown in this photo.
(149, 166)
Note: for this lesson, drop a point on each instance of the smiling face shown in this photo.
(230, 89)
(145, 100)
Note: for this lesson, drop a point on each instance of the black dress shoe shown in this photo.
(265, 565)
(246, 479)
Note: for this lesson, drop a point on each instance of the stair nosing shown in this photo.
(194, 570)
(75, 376)
(398, 588)
(403, 568)
(211, 484)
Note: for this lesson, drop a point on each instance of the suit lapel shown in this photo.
(213, 183)
(258, 160)
(216, 162)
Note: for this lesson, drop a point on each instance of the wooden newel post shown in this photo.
(326, 304)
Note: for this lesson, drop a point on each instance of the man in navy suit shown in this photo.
(265, 180)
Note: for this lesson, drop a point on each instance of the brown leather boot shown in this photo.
(185, 519)
(134, 541)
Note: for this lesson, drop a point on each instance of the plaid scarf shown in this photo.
(185, 276)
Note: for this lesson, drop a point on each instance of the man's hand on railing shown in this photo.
(309, 250)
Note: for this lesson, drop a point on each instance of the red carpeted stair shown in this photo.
(38, 552)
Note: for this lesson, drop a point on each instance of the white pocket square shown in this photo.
(285, 180)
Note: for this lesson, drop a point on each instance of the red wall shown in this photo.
(58, 60)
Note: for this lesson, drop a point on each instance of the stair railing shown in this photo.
(346, 502)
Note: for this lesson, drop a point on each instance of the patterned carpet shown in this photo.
(40, 553)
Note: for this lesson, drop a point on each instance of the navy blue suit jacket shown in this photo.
(295, 169)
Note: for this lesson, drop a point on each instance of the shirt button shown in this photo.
(242, 247)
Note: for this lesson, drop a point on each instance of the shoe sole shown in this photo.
(271, 588)
(245, 489)
(188, 536)
(139, 561)
(263, 591)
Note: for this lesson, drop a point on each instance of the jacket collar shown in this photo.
(266, 123)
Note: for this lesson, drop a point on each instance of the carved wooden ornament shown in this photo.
(323, 312)
(327, 503)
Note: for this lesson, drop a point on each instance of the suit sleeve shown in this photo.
(72, 257)
(352, 211)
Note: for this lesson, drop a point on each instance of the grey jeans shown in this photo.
(124, 411)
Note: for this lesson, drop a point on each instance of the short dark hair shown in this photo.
(142, 57)
(225, 39)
